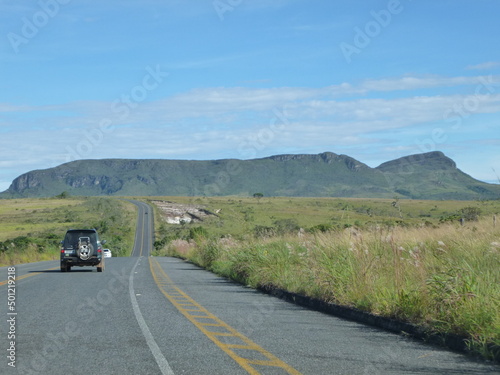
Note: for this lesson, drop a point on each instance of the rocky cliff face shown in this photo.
(325, 157)
(107, 184)
(25, 181)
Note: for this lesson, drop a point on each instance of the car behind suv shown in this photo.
(82, 247)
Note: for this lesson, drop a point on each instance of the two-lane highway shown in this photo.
(144, 230)
(160, 315)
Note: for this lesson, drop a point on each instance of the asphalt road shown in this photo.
(155, 315)
(144, 230)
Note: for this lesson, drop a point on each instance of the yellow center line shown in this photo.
(27, 275)
(172, 293)
(142, 234)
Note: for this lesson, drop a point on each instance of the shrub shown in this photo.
(470, 213)
(197, 233)
(321, 228)
(285, 226)
(262, 231)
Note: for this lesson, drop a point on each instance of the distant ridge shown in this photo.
(421, 176)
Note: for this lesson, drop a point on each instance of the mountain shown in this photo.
(421, 176)
(434, 176)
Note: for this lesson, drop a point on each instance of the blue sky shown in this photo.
(214, 79)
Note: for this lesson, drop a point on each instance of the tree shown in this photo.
(63, 195)
(258, 195)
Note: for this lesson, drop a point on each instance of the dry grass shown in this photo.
(29, 256)
(445, 278)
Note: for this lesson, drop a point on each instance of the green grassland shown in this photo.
(239, 216)
(31, 229)
(410, 260)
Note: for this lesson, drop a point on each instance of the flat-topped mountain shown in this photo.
(421, 176)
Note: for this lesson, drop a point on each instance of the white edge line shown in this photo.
(153, 346)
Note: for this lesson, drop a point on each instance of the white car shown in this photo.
(107, 253)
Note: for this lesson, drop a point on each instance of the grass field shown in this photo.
(31, 229)
(240, 217)
(406, 259)
(409, 260)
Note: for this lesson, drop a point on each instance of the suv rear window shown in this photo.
(73, 237)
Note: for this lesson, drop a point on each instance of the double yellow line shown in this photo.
(215, 329)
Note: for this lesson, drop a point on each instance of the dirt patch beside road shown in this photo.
(178, 213)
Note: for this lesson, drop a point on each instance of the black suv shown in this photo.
(81, 247)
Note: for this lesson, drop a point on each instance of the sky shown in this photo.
(217, 79)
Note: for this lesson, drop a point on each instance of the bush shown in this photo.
(197, 233)
(262, 231)
(285, 226)
(470, 213)
(207, 254)
(321, 228)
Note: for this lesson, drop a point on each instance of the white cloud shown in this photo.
(413, 83)
(240, 122)
(485, 66)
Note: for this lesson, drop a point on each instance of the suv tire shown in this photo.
(100, 266)
(65, 267)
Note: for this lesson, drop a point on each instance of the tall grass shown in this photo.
(444, 278)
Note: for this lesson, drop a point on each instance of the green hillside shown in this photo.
(434, 176)
(422, 176)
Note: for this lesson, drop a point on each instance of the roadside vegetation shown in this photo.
(431, 263)
(31, 229)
